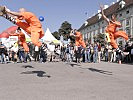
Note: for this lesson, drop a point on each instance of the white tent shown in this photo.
(8, 42)
(48, 37)
(5, 41)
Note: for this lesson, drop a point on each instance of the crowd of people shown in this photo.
(93, 53)
(80, 52)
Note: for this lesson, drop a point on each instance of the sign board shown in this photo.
(13, 39)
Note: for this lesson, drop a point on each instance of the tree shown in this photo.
(100, 38)
(56, 35)
(72, 38)
(65, 29)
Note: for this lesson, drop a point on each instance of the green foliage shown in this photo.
(56, 35)
(65, 29)
(72, 38)
(100, 38)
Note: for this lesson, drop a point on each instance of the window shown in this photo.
(90, 34)
(127, 12)
(120, 14)
(84, 36)
(121, 21)
(128, 31)
(93, 33)
(127, 22)
(96, 32)
(102, 29)
(122, 4)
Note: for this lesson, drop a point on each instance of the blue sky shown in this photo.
(55, 11)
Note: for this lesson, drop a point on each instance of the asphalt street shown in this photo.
(66, 81)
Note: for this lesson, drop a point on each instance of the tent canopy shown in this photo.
(5, 33)
(48, 37)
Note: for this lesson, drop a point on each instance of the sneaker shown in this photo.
(25, 61)
(2, 9)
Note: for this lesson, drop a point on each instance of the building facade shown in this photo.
(96, 24)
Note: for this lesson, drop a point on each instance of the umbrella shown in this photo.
(11, 29)
(5, 33)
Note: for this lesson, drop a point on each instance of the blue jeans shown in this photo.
(87, 57)
(106, 56)
(69, 57)
(2, 58)
(43, 57)
(22, 54)
(85, 54)
(95, 57)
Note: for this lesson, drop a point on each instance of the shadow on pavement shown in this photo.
(27, 66)
(73, 64)
(128, 63)
(100, 71)
(39, 73)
